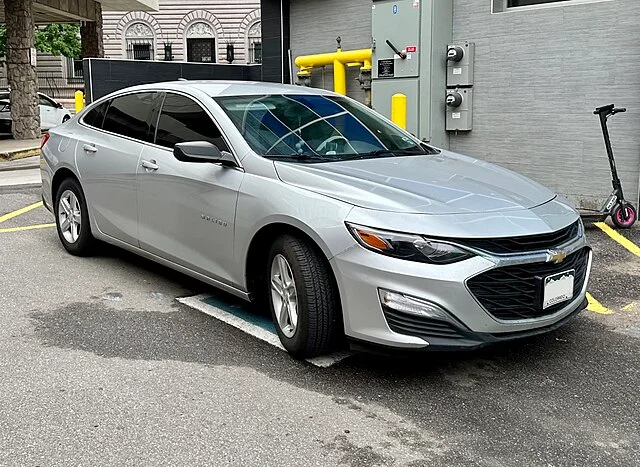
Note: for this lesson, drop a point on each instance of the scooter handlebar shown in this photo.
(620, 110)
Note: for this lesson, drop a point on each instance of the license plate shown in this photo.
(558, 288)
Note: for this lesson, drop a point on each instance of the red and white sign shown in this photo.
(412, 48)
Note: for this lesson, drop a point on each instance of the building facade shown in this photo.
(186, 30)
(541, 68)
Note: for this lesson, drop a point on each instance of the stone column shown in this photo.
(21, 74)
(91, 35)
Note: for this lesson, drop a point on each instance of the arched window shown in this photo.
(200, 38)
(139, 41)
(254, 43)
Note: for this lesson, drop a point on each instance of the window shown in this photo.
(139, 41)
(321, 127)
(182, 119)
(504, 5)
(201, 43)
(95, 116)
(43, 100)
(128, 115)
(254, 43)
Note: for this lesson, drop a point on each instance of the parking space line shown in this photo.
(597, 307)
(28, 227)
(13, 214)
(625, 242)
(251, 325)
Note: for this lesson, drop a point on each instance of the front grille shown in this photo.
(527, 243)
(510, 293)
(420, 327)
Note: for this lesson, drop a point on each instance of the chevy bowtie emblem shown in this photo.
(556, 256)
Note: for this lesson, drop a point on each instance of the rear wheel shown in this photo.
(66, 118)
(72, 218)
(303, 298)
(620, 212)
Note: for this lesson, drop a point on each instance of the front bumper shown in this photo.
(361, 273)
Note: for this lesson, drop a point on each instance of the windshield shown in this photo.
(315, 128)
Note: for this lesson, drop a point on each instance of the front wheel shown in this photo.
(66, 118)
(303, 298)
(618, 216)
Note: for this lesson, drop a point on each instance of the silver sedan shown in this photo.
(343, 224)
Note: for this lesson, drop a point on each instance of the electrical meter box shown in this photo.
(410, 39)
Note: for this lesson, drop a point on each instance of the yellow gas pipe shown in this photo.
(339, 59)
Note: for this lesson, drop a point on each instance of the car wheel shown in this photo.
(619, 219)
(72, 218)
(303, 298)
(66, 118)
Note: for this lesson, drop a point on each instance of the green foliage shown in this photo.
(57, 39)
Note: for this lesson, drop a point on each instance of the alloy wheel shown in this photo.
(284, 295)
(69, 216)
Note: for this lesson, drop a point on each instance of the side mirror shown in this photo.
(203, 152)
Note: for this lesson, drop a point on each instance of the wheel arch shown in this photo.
(58, 177)
(259, 249)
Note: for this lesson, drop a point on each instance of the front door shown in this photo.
(201, 50)
(187, 210)
(107, 156)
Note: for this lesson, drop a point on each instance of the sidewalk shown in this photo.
(19, 164)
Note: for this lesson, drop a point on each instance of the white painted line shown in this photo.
(197, 303)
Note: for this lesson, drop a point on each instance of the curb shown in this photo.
(19, 154)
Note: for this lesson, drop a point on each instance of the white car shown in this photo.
(52, 113)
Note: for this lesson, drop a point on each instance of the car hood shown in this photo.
(446, 183)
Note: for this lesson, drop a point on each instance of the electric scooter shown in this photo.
(622, 212)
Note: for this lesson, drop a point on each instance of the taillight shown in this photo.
(45, 138)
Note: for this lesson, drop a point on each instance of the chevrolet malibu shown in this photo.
(311, 203)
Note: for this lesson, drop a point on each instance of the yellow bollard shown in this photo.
(399, 110)
(339, 78)
(79, 96)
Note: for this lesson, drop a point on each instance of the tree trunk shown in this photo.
(21, 74)
(91, 36)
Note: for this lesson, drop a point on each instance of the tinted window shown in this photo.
(95, 116)
(182, 119)
(128, 115)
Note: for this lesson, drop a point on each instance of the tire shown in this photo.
(78, 241)
(317, 304)
(618, 218)
(66, 118)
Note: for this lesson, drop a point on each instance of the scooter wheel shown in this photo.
(617, 216)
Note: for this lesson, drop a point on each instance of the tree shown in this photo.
(57, 39)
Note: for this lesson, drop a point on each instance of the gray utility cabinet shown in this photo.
(410, 40)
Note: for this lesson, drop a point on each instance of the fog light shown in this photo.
(411, 305)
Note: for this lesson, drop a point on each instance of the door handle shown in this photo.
(150, 165)
(89, 148)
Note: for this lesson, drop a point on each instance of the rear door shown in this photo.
(107, 157)
(187, 210)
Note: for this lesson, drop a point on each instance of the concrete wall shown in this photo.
(538, 76)
(315, 26)
(229, 18)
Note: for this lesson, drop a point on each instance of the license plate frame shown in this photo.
(557, 288)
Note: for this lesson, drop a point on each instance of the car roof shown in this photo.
(216, 88)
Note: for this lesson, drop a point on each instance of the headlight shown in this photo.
(407, 246)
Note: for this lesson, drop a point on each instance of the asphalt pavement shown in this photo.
(100, 365)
